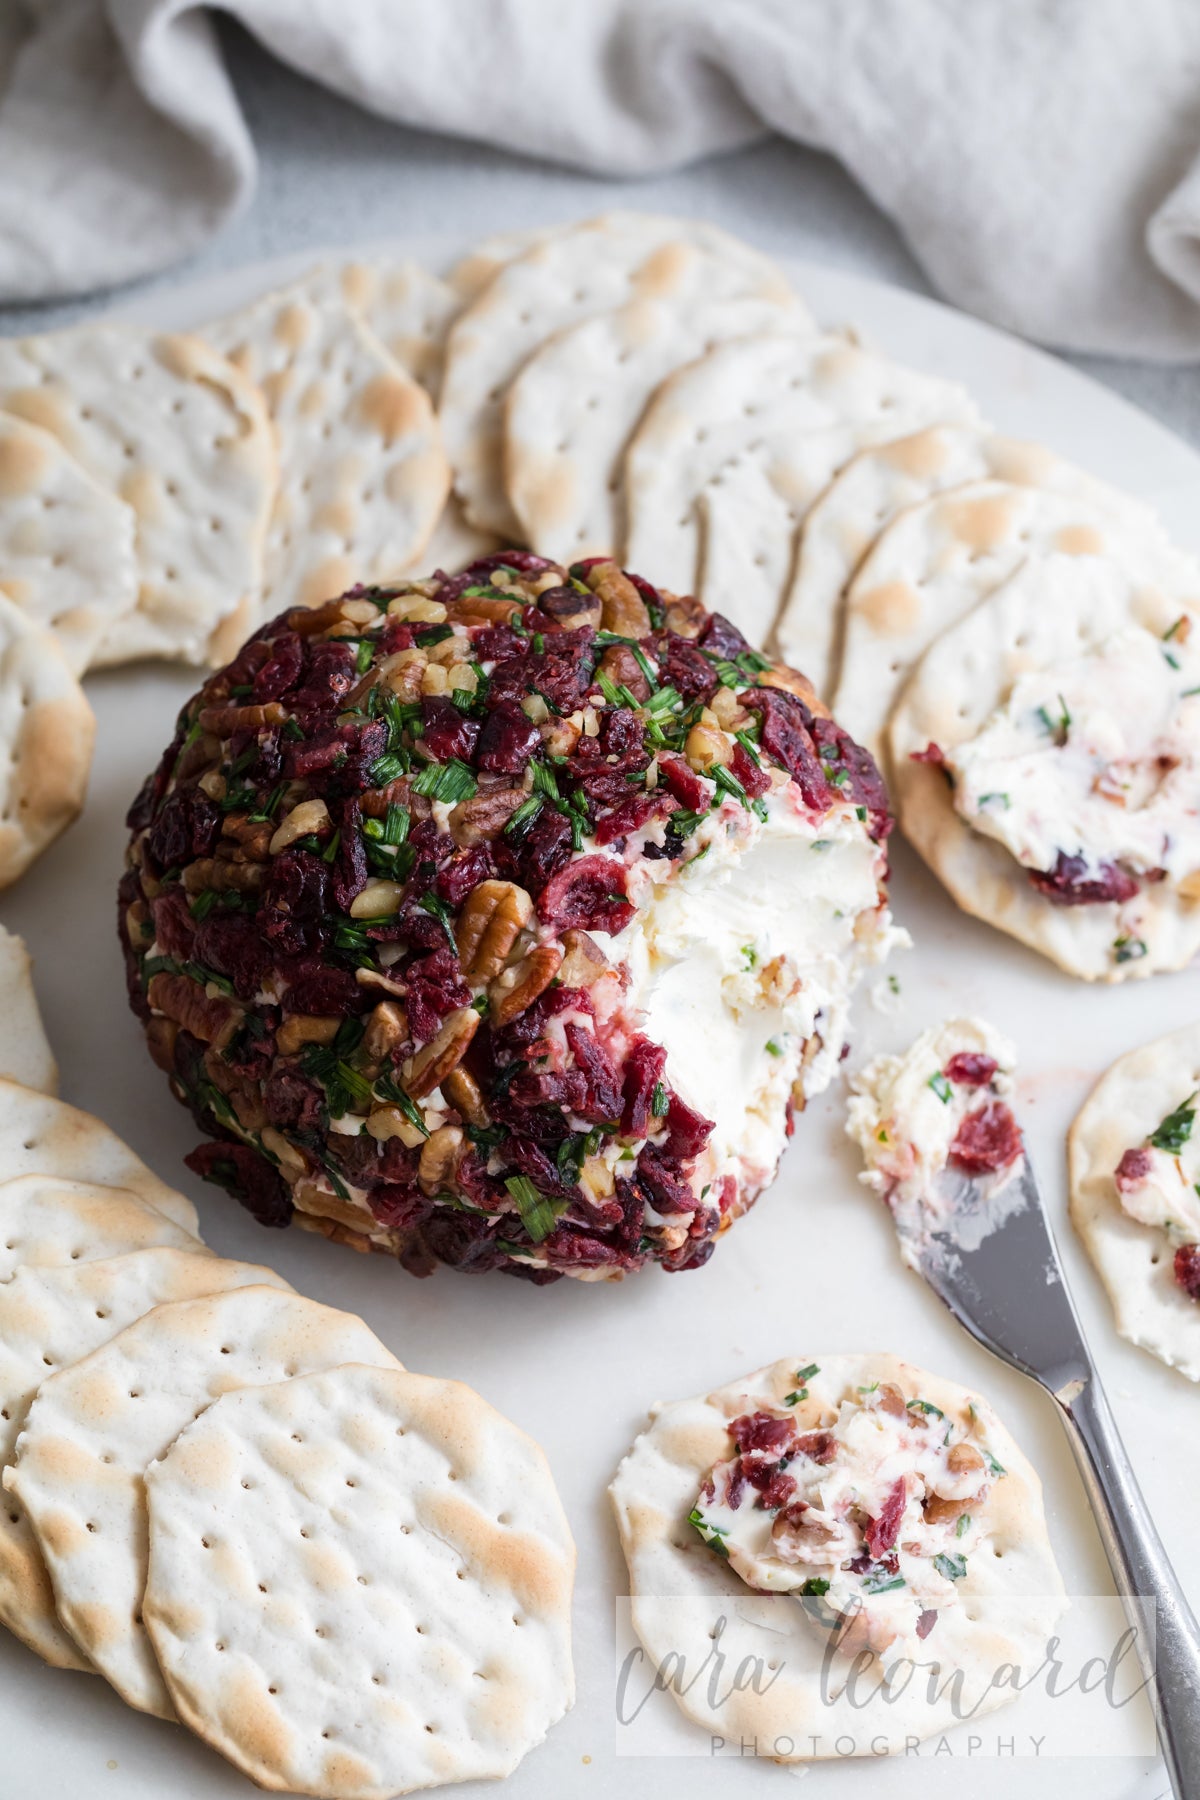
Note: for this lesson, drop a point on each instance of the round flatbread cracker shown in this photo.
(1007, 1599)
(67, 555)
(95, 1427)
(566, 277)
(571, 411)
(362, 473)
(49, 1319)
(48, 1222)
(360, 1584)
(1054, 607)
(940, 558)
(167, 425)
(43, 1136)
(878, 484)
(47, 730)
(1135, 1261)
(25, 1053)
(409, 309)
(802, 403)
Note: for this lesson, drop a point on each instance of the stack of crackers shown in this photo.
(236, 1505)
(633, 385)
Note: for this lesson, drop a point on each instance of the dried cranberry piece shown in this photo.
(682, 780)
(531, 1025)
(329, 672)
(1132, 1170)
(293, 1102)
(786, 736)
(346, 750)
(752, 775)
(620, 741)
(280, 671)
(435, 988)
(398, 1207)
(496, 643)
(543, 851)
(721, 637)
(460, 1241)
(926, 1620)
(142, 810)
(778, 1491)
(480, 1188)
(986, 1140)
(687, 1130)
(507, 741)
(631, 814)
(1069, 884)
(525, 562)
(762, 1431)
(932, 754)
(1187, 1269)
(447, 731)
(602, 1101)
(247, 1176)
(852, 770)
(350, 863)
(686, 669)
(464, 872)
(233, 945)
(561, 673)
(883, 1531)
(644, 1067)
(588, 895)
(317, 987)
(970, 1068)
(188, 825)
(663, 1179)
(646, 589)
(565, 1088)
(294, 911)
(818, 1446)
(532, 1160)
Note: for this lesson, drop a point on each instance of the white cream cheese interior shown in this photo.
(1097, 757)
(905, 1113)
(738, 957)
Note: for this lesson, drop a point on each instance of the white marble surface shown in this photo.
(331, 174)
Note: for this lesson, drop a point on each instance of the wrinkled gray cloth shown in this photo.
(1042, 157)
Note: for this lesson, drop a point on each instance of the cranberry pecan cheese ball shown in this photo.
(502, 920)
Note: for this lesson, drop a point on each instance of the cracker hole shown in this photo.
(262, 1588)
(272, 1690)
(219, 1647)
(226, 1349)
(91, 1525)
(320, 1631)
(304, 1531)
(205, 1544)
(364, 1580)
(101, 1312)
(377, 1681)
(49, 1361)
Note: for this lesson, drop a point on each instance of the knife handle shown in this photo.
(1141, 1569)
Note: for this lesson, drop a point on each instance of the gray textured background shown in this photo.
(331, 174)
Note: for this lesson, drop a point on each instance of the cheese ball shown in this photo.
(503, 919)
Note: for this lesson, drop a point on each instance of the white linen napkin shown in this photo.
(1042, 157)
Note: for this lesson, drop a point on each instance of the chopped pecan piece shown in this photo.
(622, 609)
(439, 1158)
(299, 1029)
(224, 877)
(463, 1092)
(431, 1065)
(223, 721)
(212, 1020)
(517, 988)
(583, 960)
(479, 820)
(492, 918)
